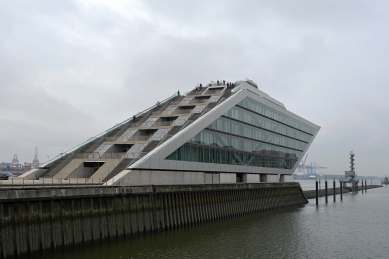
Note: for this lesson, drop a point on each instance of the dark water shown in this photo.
(354, 228)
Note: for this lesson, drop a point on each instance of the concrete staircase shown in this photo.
(69, 169)
(120, 167)
(55, 165)
(73, 167)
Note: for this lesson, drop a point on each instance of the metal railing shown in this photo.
(214, 91)
(96, 155)
(154, 124)
(110, 139)
(196, 101)
(192, 101)
(182, 111)
(140, 138)
(130, 139)
(58, 167)
(94, 146)
(195, 91)
(155, 105)
(139, 114)
(165, 138)
(141, 158)
(118, 161)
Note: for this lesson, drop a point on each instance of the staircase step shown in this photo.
(120, 167)
(151, 146)
(57, 163)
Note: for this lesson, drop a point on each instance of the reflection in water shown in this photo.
(349, 229)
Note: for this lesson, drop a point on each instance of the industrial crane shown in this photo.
(310, 169)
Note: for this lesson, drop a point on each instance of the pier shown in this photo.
(321, 193)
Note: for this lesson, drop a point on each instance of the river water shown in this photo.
(353, 228)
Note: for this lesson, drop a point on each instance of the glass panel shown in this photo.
(149, 122)
(267, 111)
(100, 150)
(260, 136)
(186, 100)
(169, 110)
(127, 135)
(198, 108)
(214, 98)
(180, 121)
(134, 150)
(158, 135)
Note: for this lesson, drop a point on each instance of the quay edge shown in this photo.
(38, 220)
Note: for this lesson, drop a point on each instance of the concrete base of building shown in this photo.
(269, 178)
(227, 178)
(286, 178)
(251, 178)
(147, 177)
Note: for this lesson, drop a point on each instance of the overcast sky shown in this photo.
(71, 69)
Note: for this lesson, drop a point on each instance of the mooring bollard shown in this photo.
(326, 190)
(334, 190)
(317, 192)
(341, 189)
(362, 186)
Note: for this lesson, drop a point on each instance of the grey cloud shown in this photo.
(72, 69)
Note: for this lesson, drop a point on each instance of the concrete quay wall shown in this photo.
(33, 221)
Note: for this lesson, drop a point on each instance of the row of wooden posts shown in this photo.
(364, 187)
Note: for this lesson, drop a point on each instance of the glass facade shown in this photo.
(250, 134)
(269, 112)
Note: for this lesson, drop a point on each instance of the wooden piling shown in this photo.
(326, 190)
(317, 192)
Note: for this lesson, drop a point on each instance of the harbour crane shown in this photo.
(310, 169)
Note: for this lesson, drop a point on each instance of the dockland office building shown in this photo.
(222, 132)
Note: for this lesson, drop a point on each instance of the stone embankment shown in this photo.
(36, 220)
(312, 193)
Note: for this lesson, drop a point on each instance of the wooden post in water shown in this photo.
(362, 186)
(366, 186)
(341, 189)
(326, 189)
(334, 190)
(317, 192)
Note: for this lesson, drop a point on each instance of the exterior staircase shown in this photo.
(120, 167)
(65, 168)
